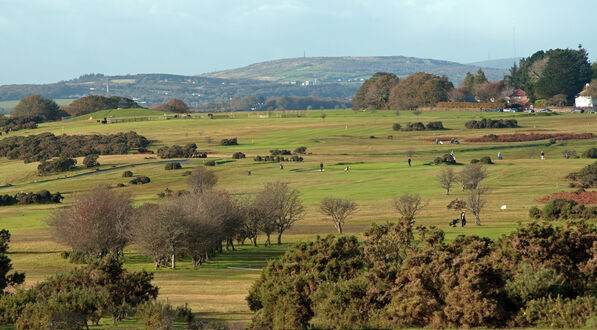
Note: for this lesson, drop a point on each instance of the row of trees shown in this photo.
(277, 103)
(386, 91)
(93, 103)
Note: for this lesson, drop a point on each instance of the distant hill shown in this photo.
(502, 63)
(349, 69)
(329, 77)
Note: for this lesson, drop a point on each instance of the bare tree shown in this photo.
(201, 179)
(476, 202)
(409, 205)
(96, 224)
(287, 205)
(338, 209)
(252, 224)
(161, 230)
(471, 176)
(446, 178)
(410, 153)
(264, 213)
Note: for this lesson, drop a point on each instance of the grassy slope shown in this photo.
(378, 173)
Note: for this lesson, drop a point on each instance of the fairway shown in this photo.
(364, 141)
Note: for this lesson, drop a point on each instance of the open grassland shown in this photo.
(378, 172)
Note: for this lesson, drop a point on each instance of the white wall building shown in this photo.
(585, 102)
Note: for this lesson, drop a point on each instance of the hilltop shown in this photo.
(349, 69)
(501, 63)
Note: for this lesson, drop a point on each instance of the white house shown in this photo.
(585, 101)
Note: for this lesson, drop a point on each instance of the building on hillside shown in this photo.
(518, 97)
(585, 101)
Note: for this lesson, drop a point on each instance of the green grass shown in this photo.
(379, 172)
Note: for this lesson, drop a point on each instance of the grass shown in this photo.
(378, 167)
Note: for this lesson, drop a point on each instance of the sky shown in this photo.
(47, 41)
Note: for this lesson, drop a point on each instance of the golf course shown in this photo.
(364, 160)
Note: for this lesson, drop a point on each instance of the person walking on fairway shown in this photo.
(321, 167)
(347, 169)
(542, 155)
(463, 218)
(281, 166)
(409, 161)
(500, 155)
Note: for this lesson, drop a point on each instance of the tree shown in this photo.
(91, 160)
(590, 90)
(338, 209)
(476, 202)
(489, 91)
(446, 178)
(286, 204)
(264, 214)
(409, 205)
(174, 105)
(160, 231)
(96, 225)
(6, 266)
(93, 103)
(374, 92)
(414, 91)
(566, 72)
(201, 179)
(471, 176)
(36, 105)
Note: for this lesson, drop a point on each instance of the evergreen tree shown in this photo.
(6, 266)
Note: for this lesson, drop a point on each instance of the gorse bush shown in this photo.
(127, 174)
(173, 166)
(590, 153)
(563, 209)
(229, 142)
(40, 197)
(44, 146)
(586, 177)
(445, 159)
(91, 161)
(418, 126)
(141, 179)
(177, 151)
(8, 124)
(238, 155)
(61, 164)
(491, 123)
(539, 275)
(300, 150)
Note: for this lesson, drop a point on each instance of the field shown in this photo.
(9, 105)
(361, 140)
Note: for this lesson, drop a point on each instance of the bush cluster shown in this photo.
(57, 165)
(532, 137)
(483, 160)
(229, 142)
(418, 126)
(44, 146)
(563, 209)
(277, 156)
(91, 161)
(405, 277)
(445, 159)
(491, 123)
(40, 197)
(140, 179)
(8, 124)
(238, 155)
(210, 163)
(585, 178)
(300, 150)
(590, 153)
(176, 151)
(173, 166)
(127, 174)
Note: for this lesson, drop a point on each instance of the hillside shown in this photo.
(348, 69)
(502, 63)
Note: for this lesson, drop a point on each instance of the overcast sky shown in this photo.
(52, 40)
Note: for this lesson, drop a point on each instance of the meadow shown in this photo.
(364, 141)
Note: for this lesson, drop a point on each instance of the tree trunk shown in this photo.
(254, 240)
(340, 228)
(232, 244)
(268, 242)
(173, 261)
(279, 238)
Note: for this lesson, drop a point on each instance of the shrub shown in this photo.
(187, 173)
(586, 177)
(210, 163)
(590, 153)
(300, 150)
(534, 213)
(61, 164)
(91, 161)
(531, 137)
(296, 158)
(278, 152)
(127, 174)
(173, 166)
(229, 142)
(475, 161)
(558, 208)
(396, 127)
(141, 179)
(238, 155)
(485, 160)
(414, 127)
(445, 159)
(434, 125)
(177, 151)
(491, 123)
